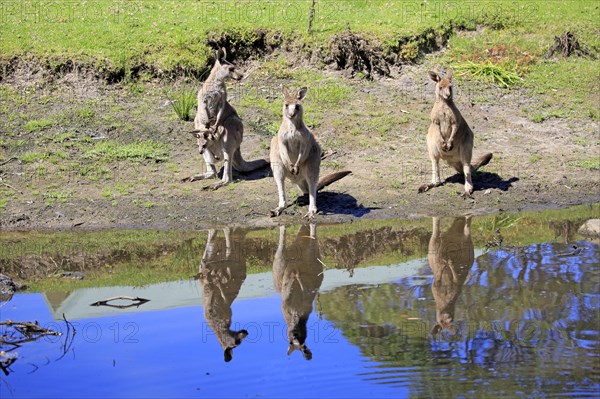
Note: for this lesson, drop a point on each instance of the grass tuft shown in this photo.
(37, 125)
(138, 151)
(490, 72)
(589, 164)
(183, 102)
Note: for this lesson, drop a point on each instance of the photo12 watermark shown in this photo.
(66, 12)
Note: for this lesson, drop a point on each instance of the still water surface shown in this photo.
(434, 308)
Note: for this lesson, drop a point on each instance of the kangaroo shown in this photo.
(296, 155)
(222, 272)
(219, 129)
(451, 256)
(212, 100)
(298, 274)
(449, 137)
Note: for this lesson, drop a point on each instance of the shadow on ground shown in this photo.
(329, 202)
(483, 181)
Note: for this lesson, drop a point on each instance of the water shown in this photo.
(487, 306)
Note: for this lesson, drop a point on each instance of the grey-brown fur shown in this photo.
(222, 272)
(449, 137)
(219, 129)
(451, 256)
(296, 155)
(298, 274)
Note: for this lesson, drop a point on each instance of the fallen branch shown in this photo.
(28, 331)
(69, 338)
(136, 301)
(11, 187)
(7, 161)
(327, 154)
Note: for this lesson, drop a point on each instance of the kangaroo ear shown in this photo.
(222, 54)
(450, 328)
(228, 354)
(285, 91)
(301, 93)
(434, 76)
(449, 74)
(306, 352)
(240, 335)
(291, 349)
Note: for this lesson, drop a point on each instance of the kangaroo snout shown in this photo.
(292, 109)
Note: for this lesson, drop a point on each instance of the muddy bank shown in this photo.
(358, 197)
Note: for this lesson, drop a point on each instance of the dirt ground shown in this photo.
(535, 165)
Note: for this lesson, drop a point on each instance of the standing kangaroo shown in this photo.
(222, 272)
(451, 256)
(449, 137)
(296, 155)
(219, 129)
(298, 274)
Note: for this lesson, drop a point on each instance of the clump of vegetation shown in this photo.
(589, 164)
(553, 113)
(184, 101)
(567, 45)
(54, 195)
(142, 150)
(36, 125)
(490, 72)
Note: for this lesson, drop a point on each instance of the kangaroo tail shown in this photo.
(244, 166)
(481, 161)
(331, 178)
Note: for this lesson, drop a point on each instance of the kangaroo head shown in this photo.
(295, 344)
(297, 337)
(444, 322)
(443, 87)
(226, 70)
(236, 338)
(292, 102)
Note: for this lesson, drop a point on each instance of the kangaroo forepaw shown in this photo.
(310, 215)
(428, 186)
(294, 170)
(276, 212)
(201, 176)
(423, 188)
(214, 186)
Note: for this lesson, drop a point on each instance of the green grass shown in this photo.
(33, 156)
(64, 137)
(54, 195)
(38, 125)
(569, 84)
(589, 164)
(131, 40)
(86, 114)
(122, 38)
(142, 150)
(144, 204)
(6, 194)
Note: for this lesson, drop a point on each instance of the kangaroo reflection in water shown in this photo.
(222, 272)
(451, 256)
(298, 274)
